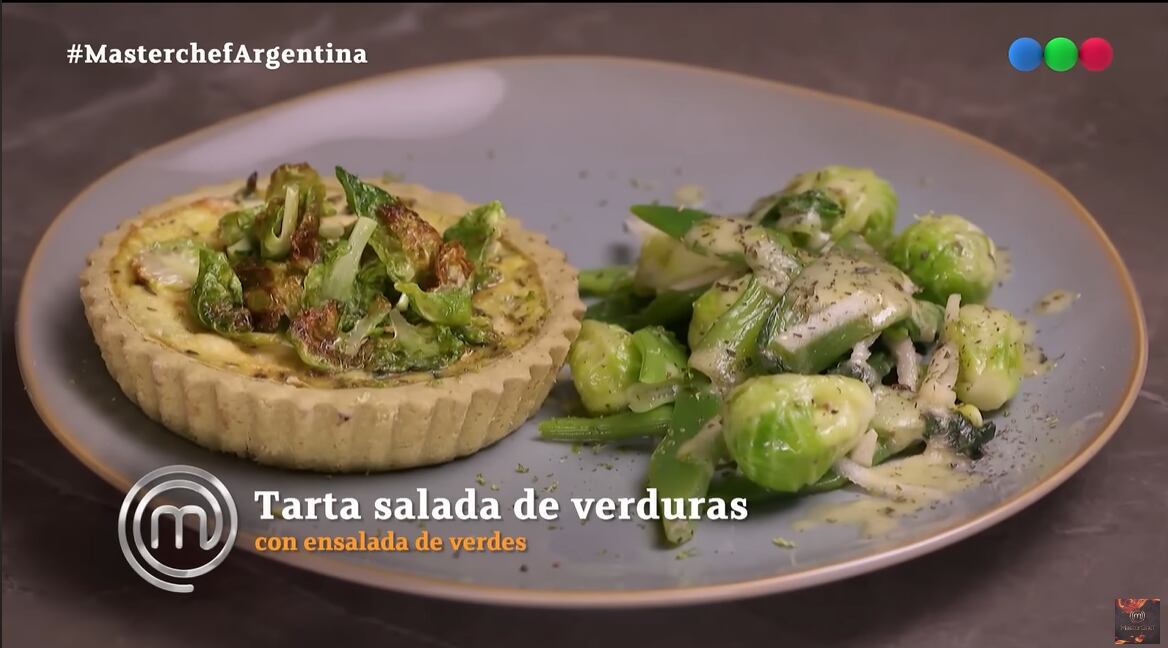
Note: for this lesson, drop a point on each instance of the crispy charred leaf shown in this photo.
(170, 265)
(248, 190)
(315, 334)
(276, 224)
(388, 249)
(478, 231)
(335, 276)
(323, 342)
(271, 292)
(355, 338)
(217, 296)
(300, 175)
(479, 332)
(236, 232)
(306, 248)
(446, 306)
(419, 347)
(364, 199)
(417, 238)
(959, 433)
(452, 268)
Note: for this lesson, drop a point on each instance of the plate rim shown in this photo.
(409, 583)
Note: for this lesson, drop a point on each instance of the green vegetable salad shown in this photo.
(792, 346)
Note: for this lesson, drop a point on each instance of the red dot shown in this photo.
(1095, 54)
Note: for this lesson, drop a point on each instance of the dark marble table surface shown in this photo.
(1046, 577)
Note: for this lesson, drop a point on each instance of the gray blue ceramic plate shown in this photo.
(567, 144)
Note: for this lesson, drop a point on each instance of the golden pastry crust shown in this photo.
(354, 429)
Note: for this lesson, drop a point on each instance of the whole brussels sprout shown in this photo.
(604, 364)
(712, 304)
(989, 349)
(786, 431)
(810, 206)
(947, 255)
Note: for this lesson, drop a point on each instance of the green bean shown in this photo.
(607, 429)
(605, 281)
(679, 469)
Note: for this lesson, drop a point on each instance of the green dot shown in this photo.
(1060, 54)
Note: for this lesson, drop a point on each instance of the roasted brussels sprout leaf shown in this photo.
(447, 306)
(302, 176)
(315, 334)
(236, 232)
(452, 268)
(946, 255)
(334, 277)
(170, 265)
(415, 237)
(989, 349)
(363, 198)
(413, 347)
(217, 296)
(271, 292)
(786, 431)
(478, 332)
(478, 232)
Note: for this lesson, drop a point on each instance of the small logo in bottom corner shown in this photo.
(1137, 621)
(212, 512)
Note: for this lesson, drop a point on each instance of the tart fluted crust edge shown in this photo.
(355, 429)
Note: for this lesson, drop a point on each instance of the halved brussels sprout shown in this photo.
(604, 365)
(712, 304)
(989, 347)
(946, 255)
(807, 206)
(786, 431)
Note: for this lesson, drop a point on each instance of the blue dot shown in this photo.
(1025, 54)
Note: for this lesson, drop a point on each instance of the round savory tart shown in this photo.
(341, 326)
